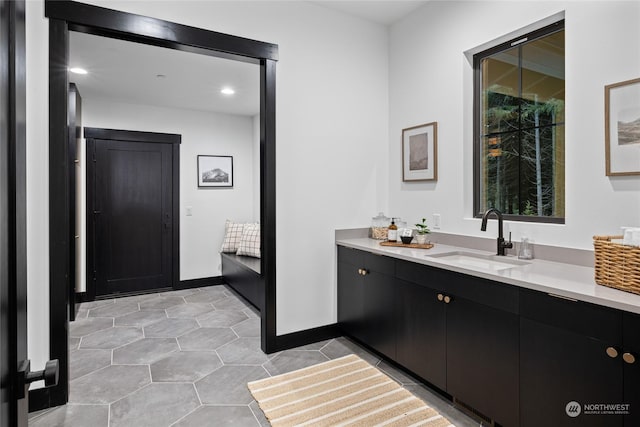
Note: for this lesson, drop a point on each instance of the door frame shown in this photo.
(90, 135)
(65, 16)
(13, 208)
(75, 133)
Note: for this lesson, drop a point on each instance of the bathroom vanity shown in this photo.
(515, 342)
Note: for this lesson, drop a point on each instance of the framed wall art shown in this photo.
(215, 171)
(420, 153)
(622, 128)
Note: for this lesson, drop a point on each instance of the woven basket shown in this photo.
(617, 266)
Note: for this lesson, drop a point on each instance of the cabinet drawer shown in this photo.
(350, 256)
(577, 316)
(362, 259)
(487, 292)
(380, 263)
(420, 274)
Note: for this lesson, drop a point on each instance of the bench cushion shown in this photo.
(232, 236)
(250, 243)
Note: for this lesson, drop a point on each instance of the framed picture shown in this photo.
(215, 171)
(419, 153)
(622, 128)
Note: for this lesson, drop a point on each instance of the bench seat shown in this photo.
(242, 274)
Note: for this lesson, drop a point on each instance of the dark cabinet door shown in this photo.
(559, 366)
(631, 368)
(421, 332)
(366, 299)
(350, 300)
(482, 359)
(379, 312)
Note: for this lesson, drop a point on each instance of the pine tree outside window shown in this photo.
(519, 110)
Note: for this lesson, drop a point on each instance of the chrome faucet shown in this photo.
(502, 245)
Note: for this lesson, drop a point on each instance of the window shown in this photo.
(519, 127)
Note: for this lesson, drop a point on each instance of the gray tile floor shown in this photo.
(183, 358)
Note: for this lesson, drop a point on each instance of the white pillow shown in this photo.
(232, 236)
(250, 243)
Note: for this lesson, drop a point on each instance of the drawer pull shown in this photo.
(440, 297)
(612, 352)
(447, 299)
(629, 358)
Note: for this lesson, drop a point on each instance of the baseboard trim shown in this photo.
(39, 399)
(183, 284)
(82, 297)
(199, 283)
(308, 336)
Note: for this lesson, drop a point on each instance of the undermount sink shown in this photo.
(485, 262)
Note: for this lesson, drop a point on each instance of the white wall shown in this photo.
(332, 165)
(206, 133)
(331, 115)
(430, 80)
(256, 168)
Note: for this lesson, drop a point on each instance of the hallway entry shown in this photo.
(131, 187)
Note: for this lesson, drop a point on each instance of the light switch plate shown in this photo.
(436, 221)
(189, 211)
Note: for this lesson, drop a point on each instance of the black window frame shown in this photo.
(477, 134)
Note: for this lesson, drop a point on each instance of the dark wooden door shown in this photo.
(559, 366)
(421, 332)
(132, 216)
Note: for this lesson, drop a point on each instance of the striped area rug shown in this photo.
(342, 392)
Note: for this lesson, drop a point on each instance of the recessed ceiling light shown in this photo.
(227, 91)
(77, 70)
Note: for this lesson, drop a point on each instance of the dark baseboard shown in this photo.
(183, 284)
(39, 399)
(199, 283)
(48, 397)
(132, 294)
(82, 297)
(308, 336)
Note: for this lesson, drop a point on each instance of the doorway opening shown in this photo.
(69, 16)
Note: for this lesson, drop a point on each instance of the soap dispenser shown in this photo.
(392, 236)
(525, 252)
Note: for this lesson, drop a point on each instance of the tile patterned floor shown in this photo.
(183, 358)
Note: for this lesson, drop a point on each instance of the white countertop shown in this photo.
(556, 278)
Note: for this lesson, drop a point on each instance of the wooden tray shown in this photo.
(410, 245)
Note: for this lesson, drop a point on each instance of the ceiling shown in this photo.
(377, 11)
(129, 72)
(135, 73)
